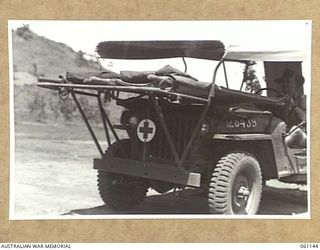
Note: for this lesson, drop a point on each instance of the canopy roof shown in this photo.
(278, 54)
(204, 49)
(212, 50)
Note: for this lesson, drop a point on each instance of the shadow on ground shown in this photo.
(275, 201)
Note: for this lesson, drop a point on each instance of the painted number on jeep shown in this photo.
(242, 123)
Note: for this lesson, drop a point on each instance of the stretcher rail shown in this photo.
(129, 89)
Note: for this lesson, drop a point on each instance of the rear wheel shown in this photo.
(118, 191)
(236, 185)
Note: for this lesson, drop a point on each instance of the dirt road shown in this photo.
(54, 176)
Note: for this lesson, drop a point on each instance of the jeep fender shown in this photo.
(268, 149)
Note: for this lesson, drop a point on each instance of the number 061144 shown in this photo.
(309, 245)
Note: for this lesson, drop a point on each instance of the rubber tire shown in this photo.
(223, 184)
(120, 192)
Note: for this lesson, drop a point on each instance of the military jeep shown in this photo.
(182, 132)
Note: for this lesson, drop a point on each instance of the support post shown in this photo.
(85, 119)
(165, 128)
(103, 119)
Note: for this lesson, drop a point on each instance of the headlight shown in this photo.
(133, 121)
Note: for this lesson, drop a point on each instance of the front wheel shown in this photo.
(236, 185)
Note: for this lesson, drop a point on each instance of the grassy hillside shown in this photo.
(35, 56)
(38, 55)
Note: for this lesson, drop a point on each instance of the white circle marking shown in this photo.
(146, 130)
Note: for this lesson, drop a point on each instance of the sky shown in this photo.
(85, 35)
(256, 35)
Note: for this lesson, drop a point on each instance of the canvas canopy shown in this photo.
(204, 49)
(271, 54)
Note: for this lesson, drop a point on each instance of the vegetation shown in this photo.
(47, 58)
(25, 32)
(45, 106)
(251, 80)
(37, 107)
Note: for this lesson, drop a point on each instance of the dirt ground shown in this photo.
(53, 176)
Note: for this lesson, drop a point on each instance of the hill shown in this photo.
(37, 55)
(34, 56)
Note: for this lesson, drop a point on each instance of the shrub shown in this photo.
(37, 107)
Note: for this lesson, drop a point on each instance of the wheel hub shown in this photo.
(241, 193)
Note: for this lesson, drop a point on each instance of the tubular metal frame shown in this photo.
(154, 95)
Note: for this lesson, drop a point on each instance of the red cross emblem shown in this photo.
(146, 130)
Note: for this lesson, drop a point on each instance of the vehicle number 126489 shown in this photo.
(242, 123)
